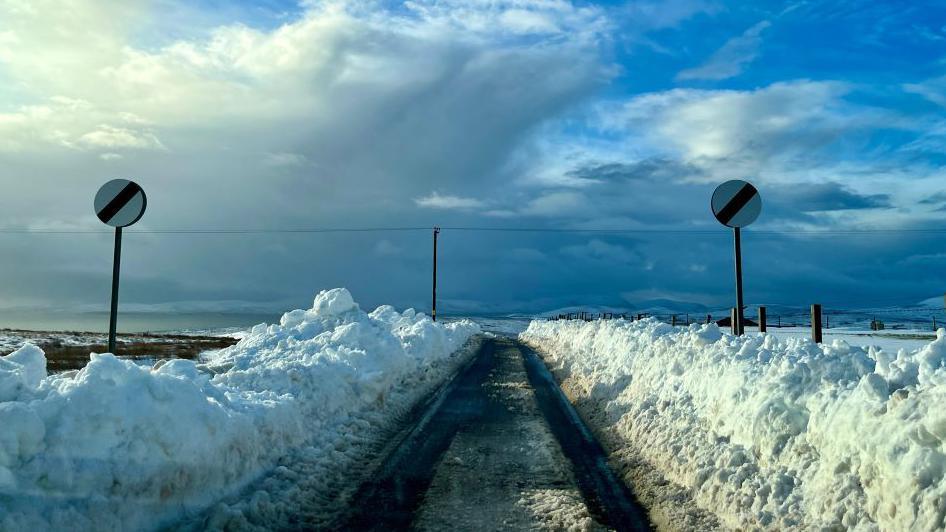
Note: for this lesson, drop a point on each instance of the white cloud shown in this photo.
(772, 130)
(526, 22)
(389, 101)
(600, 250)
(933, 90)
(437, 201)
(662, 14)
(732, 58)
(386, 248)
(559, 203)
(71, 123)
(514, 18)
(527, 255)
(285, 159)
(111, 137)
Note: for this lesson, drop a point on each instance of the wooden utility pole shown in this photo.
(761, 319)
(816, 323)
(433, 311)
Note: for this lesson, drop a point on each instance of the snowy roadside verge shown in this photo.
(118, 446)
(763, 432)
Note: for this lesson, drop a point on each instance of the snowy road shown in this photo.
(499, 448)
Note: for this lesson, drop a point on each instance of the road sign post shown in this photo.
(737, 245)
(116, 271)
(737, 204)
(119, 203)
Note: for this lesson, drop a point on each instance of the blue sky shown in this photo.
(510, 113)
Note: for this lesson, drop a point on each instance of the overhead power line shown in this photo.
(249, 231)
(216, 231)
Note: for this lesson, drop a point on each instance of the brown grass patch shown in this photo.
(66, 357)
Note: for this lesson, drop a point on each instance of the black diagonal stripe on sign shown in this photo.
(746, 193)
(123, 197)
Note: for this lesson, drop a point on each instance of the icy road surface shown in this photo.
(498, 448)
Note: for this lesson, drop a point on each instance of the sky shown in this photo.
(504, 114)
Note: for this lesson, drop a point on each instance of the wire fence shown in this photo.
(914, 319)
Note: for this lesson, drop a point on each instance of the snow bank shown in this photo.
(766, 432)
(119, 446)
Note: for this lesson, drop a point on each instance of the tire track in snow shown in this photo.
(499, 448)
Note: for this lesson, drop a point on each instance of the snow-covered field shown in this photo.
(772, 432)
(119, 446)
(502, 326)
(889, 340)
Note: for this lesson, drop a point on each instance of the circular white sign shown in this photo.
(120, 203)
(736, 203)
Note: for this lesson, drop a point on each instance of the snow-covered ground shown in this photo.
(888, 340)
(772, 432)
(119, 446)
(502, 326)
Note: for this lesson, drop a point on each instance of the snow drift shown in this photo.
(119, 446)
(766, 432)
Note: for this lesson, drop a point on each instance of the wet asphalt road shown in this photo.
(500, 447)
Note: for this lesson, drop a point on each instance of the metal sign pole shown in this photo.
(737, 204)
(116, 270)
(738, 328)
(119, 203)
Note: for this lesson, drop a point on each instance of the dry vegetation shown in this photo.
(63, 356)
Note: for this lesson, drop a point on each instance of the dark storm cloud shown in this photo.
(647, 169)
(821, 197)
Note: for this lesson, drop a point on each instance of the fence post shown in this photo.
(934, 323)
(761, 319)
(709, 319)
(673, 320)
(816, 323)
